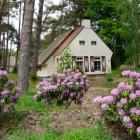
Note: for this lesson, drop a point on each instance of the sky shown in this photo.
(14, 20)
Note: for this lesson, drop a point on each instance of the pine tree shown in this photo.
(26, 43)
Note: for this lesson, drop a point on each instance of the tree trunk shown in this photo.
(25, 49)
(37, 38)
(18, 45)
(1, 9)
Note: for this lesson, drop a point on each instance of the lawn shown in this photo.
(97, 132)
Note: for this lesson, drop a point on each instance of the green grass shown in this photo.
(109, 85)
(116, 73)
(27, 103)
(97, 132)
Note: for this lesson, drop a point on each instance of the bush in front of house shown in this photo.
(65, 61)
(62, 88)
(8, 93)
(109, 77)
(123, 105)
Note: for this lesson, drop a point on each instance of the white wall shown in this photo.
(89, 35)
(48, 69)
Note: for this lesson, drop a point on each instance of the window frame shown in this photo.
(93, 43)
(82, 42)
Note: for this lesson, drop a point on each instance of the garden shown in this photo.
(70, 106)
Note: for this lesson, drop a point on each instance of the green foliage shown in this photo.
(109, 77)
(33, 76)
(65, 61)
(106, 22)
(131, 19)
(80, 68)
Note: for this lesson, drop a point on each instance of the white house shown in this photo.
(86, 47)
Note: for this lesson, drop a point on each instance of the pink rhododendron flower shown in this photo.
(126, 73)
(133, 111)
(115, 92)
(104, 106)
(138, 129)
(10, 81)
(138, 84)
(2, 101)
(5, 110)
(129, 125)
(132, 96)
(119, 105)
(97, 100)
(138, 112)
(123, 101)
(126, 119)
(121, 85)
(3, 73)
(5, 92)
(121, 112)
(137, 92)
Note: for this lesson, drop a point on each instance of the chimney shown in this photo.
(86, 23)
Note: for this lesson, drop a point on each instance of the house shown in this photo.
(12, 63)
(87, 50)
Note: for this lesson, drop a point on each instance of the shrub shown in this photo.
(65, 61)
(33, 75)
(109, 77)
(64, 88)
(126, 67)
(8, 93)
(123, 105)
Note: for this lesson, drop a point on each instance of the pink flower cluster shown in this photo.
(103, 101)
(124, 102)
(127, 122)
(65, 88)
(8, 93)
(135, 111)
(131, 74)
(3, 73)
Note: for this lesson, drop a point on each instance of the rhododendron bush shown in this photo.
(123, 105)
(8, 93)
(63, 88)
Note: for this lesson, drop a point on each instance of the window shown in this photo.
(82, 42)
(97, 63)
(93, 42)
(97, 58)
(79, 62)
(79, 58)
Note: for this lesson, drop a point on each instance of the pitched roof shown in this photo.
(58, 44)
(63, 45)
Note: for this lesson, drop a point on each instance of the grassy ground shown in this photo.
(27, 103)
(97, 132)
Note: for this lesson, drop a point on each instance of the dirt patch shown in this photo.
(78, 116)
(31, 122)
(94, 81)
